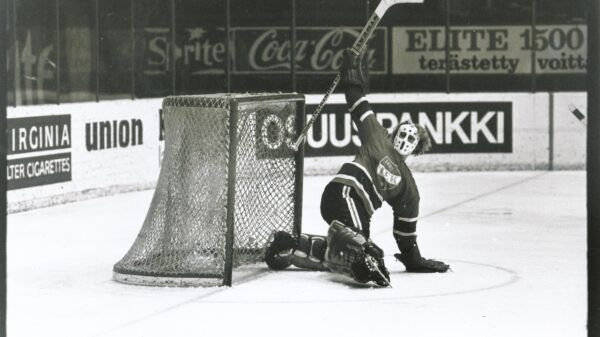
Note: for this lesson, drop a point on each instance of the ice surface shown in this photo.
(516, 243)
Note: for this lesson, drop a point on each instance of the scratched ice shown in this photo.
(516, 242)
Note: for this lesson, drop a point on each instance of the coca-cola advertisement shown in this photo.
(318, 49)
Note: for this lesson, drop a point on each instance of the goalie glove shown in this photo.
(355, 71)
(415, 263)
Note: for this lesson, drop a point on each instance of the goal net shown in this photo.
(228, 180)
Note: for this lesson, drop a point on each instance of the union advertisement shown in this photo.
(556, 49)
(454, 127)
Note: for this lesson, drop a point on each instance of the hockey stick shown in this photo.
(357, 47)
(578, 114)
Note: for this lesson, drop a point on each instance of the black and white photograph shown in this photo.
(293, 168)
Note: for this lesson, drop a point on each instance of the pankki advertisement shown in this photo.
(454, 127)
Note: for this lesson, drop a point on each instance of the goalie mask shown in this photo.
(406, 139)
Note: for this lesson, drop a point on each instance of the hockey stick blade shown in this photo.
(374, 266)
(357, 47)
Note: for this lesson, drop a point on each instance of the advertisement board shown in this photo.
(454, 127)
(490, 131)
(559, 49)
(39, 150)
(267, 50)
(260, 50)
(72, 151)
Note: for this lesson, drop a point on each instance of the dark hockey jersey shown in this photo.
(378, 172)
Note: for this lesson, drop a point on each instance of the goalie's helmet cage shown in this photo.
(228, 179)
(406, 139)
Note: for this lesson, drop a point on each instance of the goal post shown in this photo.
(229, 178)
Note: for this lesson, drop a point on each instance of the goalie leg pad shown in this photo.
(347, 252)
(310, 252)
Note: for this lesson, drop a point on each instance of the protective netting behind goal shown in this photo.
(228, 180)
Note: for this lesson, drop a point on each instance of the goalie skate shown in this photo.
(279, 249)
(374, 268)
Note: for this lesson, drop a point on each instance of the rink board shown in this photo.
(70, 152)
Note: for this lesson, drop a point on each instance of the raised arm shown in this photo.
(355, 83)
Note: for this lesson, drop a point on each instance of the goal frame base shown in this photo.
(205, 280)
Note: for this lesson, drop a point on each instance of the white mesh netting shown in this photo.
(184, 238)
